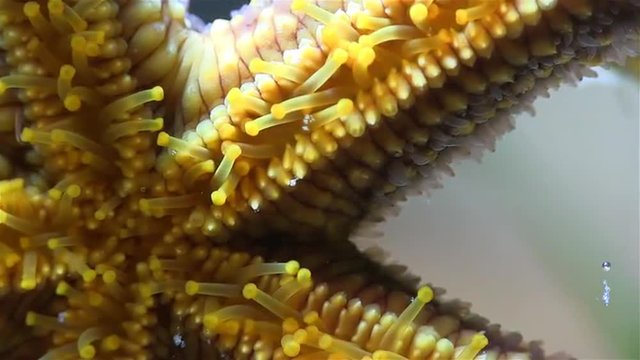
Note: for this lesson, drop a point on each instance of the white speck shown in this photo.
(606, 293)
(306, 120)
(255, 206)
(606, 266)
(179, 341)
(293, 181)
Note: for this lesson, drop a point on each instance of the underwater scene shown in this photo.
(320, 179)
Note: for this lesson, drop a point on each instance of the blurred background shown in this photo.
(524, 234)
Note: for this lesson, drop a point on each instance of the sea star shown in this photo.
(174, 185)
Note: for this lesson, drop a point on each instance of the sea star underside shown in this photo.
(168, 188)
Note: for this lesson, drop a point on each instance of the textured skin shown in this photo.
(119, 118)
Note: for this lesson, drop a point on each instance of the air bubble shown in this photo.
(178, 341)
(606, 266)
(606, 293)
